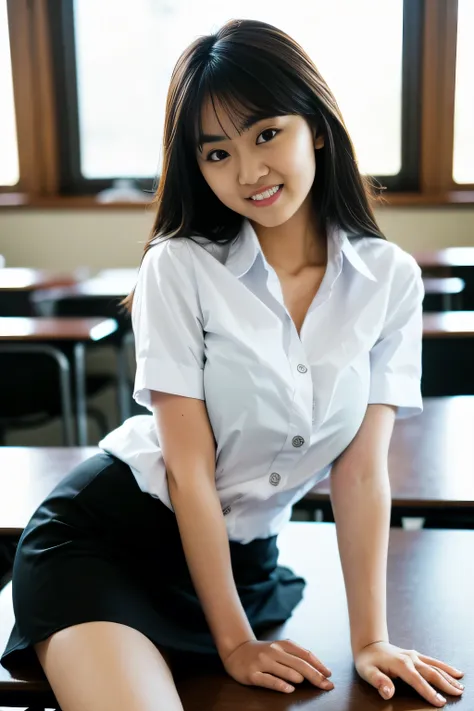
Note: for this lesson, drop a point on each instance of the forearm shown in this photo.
(361, 504)
(206, 547)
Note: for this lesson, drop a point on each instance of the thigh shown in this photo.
(107, 666)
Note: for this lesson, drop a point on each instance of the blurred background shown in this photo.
(82, 96)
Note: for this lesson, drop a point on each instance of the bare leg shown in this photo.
(105, 666)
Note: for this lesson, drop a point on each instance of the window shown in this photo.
(9, 167)
(463, 155)
(90, 79)
(122, 52)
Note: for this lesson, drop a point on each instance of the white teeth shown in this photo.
(266, 194)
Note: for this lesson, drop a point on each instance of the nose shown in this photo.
(251, 169)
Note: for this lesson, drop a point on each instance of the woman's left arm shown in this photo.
(361, 501)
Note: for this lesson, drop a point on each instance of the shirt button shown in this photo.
(275, 479)
(302, 368)
(227, 510)
(297, 441)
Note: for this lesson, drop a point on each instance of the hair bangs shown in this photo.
(244, 92)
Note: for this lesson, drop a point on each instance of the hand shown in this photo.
(380, 662)
(273, 664)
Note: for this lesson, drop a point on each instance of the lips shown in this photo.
(263, 190)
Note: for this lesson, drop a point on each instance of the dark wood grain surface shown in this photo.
(451, 324)
(450, 257)
(430, 594)
(431, 464)
(431, 456)
(22, 279)
(55, 329)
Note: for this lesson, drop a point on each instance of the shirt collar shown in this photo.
(344, 244)
(245, 248)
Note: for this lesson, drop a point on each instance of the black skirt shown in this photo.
(98, 548)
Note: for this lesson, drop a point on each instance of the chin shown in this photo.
(275, 219)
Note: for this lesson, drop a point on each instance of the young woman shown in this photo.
(277, 335)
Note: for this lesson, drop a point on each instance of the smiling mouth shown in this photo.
(266, 194)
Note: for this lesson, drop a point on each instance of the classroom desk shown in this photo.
(431, 463)
(48, 336)
(443, 294)
(98, 296)
(452, 324)
(451, 262)
(452, 257)
(429, 609)
(27, 475)
(18, 284)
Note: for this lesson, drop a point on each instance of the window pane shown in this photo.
(126, 50)
(463, 159)
(9, 169)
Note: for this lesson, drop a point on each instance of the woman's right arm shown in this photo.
(188, 447)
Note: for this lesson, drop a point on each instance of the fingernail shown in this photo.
(441, 698)
(289, 688)
(327, 684)
(386, 692)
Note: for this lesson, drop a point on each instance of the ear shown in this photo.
(318, 142)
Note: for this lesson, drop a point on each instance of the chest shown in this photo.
(299, 292)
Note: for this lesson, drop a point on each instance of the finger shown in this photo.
(406, 670)
(442, 665)
(306, 655)
(440, 678)
(306, 670)
(284, 672)
(271, 682)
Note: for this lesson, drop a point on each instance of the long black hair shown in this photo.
(251, 68)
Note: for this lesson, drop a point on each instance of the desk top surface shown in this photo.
(449, 324)
(443, 285)
(41, 329)
(431, 456)
(431, 463)
(23, 279)
(429, 609)
(450, 257)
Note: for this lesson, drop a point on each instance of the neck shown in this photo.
(298, 243)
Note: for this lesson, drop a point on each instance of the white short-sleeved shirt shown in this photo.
(210, 323)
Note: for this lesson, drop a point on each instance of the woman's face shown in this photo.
(277, 151)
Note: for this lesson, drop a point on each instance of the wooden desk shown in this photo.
(98, 296)
(429, 609)
(27, 476)
(443, 294)
(18, 284)
(19, 279)
(47, 335)
(452, 262)
(452, 257)
(107, 284)
(452, 324)
(431, 462)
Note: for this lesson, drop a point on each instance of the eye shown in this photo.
(215, 151)
(267, 131)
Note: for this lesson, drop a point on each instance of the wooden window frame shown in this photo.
(40, 142)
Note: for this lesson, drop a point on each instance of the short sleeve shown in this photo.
(167, 324)
(395, 359)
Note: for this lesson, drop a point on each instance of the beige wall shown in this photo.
(98, 239)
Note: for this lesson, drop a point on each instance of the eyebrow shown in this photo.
(216, 138)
